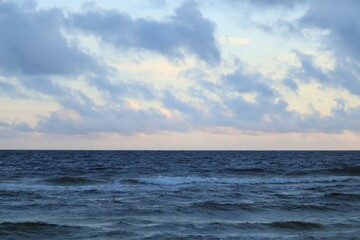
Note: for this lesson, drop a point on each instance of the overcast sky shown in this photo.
(161, 74)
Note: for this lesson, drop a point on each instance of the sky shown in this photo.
(183, 74)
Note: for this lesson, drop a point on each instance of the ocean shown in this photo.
(179, 194)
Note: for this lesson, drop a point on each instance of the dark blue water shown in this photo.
(179, 195)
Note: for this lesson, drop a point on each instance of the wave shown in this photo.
(351, 171)
(218, 206)
(245, 170)
(131, 181)
(231, 206)
(165, 180)
(70, 181)
(343, 196)
(26, 225)
(35, 229)
(220, 229)
(291, 225)
(309, 207)
(338, 171)
(159, 182)
(296, 225)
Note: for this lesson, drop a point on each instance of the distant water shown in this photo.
(179, 195)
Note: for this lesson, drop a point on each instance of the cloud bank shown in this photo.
(43, 55)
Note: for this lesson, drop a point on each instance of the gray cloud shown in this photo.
(309, 70)
(4, 124)
(103, 119)
(262, 4)
(290, 83)
(8, 130)
(341, 19)
(117, 90)
(346, 73)
(81, 115)
(9, 90)
(242, 82)
(31, 43)
(172, 102)
(263, 112)
(271, 3)
(268, 111)
(339, 22)
(231, 109)
(341, 119)
(186, 29)
(33, 49)
(44, 85)
(79, 103)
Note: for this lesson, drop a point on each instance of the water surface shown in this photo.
(179, 195)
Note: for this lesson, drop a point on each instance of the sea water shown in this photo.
(179, 195)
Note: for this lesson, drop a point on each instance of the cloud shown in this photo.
(117, 89)
(86, 118)
(290, 83)
(342, 21)
(231, 108)
(336, 25)
(8, 130)
(268, 111)
(271, 3)
(44, 85)
(35, 52)
(260, 114)
(262, 4)
(186, 30)
(9, 90)
(337, 21)
(34, 49)
(81, 115)
(345, 74)
(172, 102)
(31, 43)
(340, 120)
(243, 82)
